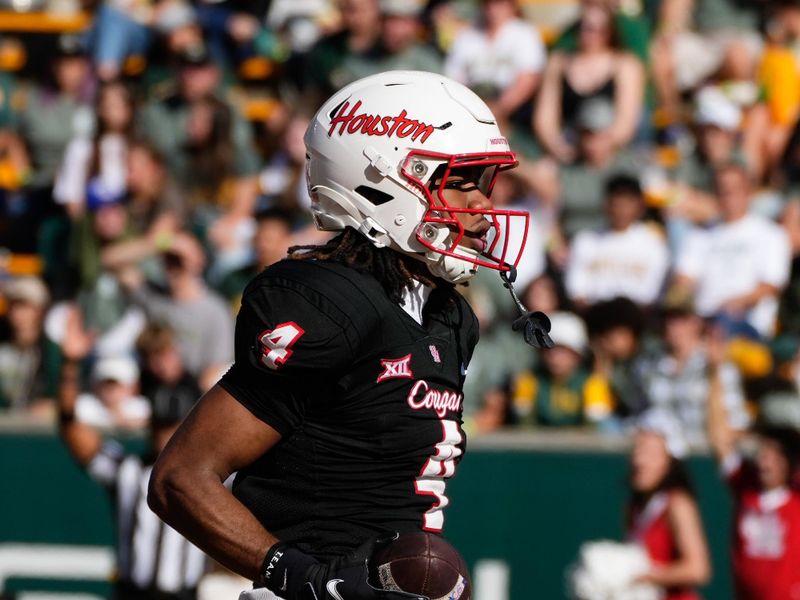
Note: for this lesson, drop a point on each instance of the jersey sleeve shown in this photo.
(290, 340)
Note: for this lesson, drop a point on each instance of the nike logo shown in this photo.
(285, 576)
(331, 587)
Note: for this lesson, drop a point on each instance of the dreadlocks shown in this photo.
(393, 270)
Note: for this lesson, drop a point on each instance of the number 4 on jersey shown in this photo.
(440, 466)
(276, 344)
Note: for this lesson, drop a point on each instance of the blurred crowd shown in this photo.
(152, 162)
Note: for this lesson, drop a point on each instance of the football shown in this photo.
(422, 563)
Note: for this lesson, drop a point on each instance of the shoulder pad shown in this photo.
(355, 293)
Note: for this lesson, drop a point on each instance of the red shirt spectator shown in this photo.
(766, 538)
(662, 514)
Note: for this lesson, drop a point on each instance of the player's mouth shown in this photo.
(476, 238)
(478, 244)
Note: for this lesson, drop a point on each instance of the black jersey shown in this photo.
(368, 403)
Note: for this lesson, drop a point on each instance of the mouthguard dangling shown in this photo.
(535, 326)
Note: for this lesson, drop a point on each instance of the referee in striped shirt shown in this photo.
(154, 561)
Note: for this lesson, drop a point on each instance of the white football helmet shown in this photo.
(375, 148)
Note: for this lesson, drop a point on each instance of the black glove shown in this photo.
(294, 575)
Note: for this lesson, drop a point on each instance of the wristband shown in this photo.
(284, 568)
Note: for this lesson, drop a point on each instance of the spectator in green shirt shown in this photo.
(357, 37)
(270, 244)
(399, 47)
(57, 111)
(209, 151)
(8, 86)
(554, 394)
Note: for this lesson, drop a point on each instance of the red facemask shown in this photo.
(508, 229)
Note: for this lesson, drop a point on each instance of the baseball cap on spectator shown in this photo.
(596, 114)
(567, 329)
(196, 55)
(400, 8)
(28, 290)
(714, 108)
(173, 16)
(661, 422)
(70, 45)
(99, 195)
(121, 369)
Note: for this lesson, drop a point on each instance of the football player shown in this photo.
(342, 412)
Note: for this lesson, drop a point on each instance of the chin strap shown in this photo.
(535, 326)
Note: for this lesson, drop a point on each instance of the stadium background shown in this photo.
(536, 483)
(528, 503)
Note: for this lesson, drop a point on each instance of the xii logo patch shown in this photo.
(395, 368)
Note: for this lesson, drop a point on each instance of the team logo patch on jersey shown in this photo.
(435, 354)
(395, 368)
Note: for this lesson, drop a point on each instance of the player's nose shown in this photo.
(477, 223)
(478, 201)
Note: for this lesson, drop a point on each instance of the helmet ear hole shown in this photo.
(376, 197)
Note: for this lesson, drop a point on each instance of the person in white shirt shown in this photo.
(501, 59)
(100, 159)
(738, 267)
(629, 258)
(113, 401)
